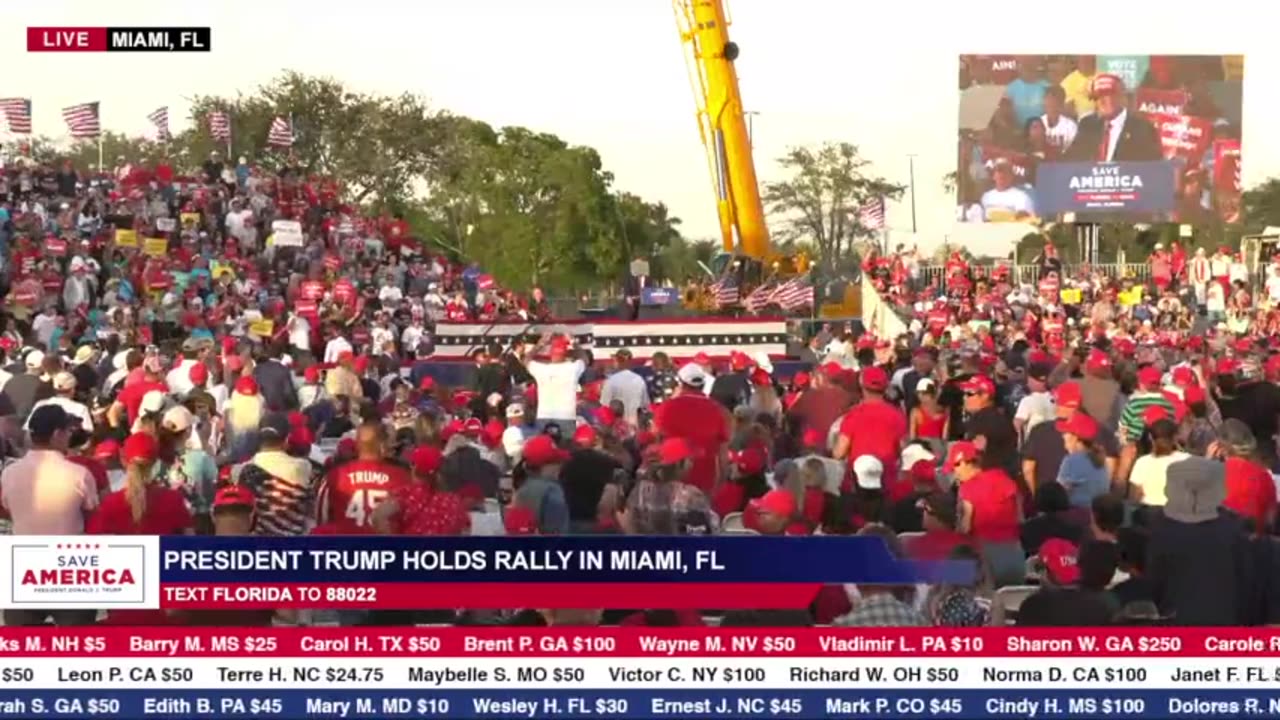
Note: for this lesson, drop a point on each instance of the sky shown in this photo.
(611, 73)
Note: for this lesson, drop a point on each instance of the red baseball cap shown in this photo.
(1184, 376)
(312, 374)
(346, 356)
(107, 449)
(776, 502)
(1097, 360)
(585, 435)
(361, 365)
(801, 379)
(749, 461)
(1154, 414)
(1105, 84)
(1080, 425)
(702, 359)
(875, 379)
(1193, 394)
(1068, 395)
(246, 385)
(234, 496)
(833, 370)
(139, 447)
(426, 459)
(198, 374)
(1150, 376)
(761, 377)
(962, 451)
(346, 447)
(1226, 366)
(472, 426)
(813, 438)
(739, 360)
(1058, 557)
(979, 385)
(542, 450)
(923, 472)
(427, 383)
(674, 450)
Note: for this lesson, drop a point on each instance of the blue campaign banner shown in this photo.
(1145, 189)
(595, 559)
(658, 296)
(872, 704)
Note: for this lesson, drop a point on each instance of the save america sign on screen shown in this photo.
(1136, 137)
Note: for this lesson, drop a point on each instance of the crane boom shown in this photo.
(704, 30)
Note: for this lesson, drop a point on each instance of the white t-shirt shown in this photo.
(1151, 473)
(557, 388)
(1060, 135)
(179, 378)
(71, 407)
(1215, 298)
(1011, 201)
(300, 333)
(1035, 409)
(1273, 290)
(336, 347)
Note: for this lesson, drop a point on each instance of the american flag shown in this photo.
(82, 120)
(725, 292)
(160, 118)
(871, 214)
(220, 125)
(17, 113)
(794, 294)
(760, 298)
(281, 133)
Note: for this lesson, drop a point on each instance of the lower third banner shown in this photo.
(1138, 190)
(637, 704)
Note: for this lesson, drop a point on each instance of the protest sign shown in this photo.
(126, 238)
(287, 233)
(155, 247)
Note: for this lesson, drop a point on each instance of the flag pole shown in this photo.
(101, 170)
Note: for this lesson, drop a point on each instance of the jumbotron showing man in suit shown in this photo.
(1112, 133)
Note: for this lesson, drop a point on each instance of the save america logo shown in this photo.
(105, 573)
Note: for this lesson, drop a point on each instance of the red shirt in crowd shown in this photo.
(874, 427)
(95, 468)
(166, 514)
(1251, 493)
(994, 498)
(702, 422)
(934, 544)
(131, 396)
(425, 510)
(353, 490)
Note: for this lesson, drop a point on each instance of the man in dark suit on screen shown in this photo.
(1113, 133)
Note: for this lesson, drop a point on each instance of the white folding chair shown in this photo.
(1008, 599)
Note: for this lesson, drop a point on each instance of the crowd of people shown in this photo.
(1117, 461)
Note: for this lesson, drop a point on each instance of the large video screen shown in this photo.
(1142, 138)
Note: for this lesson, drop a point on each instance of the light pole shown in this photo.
(911, 169)
(751, 134)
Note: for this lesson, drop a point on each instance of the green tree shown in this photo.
(820, 201)
(379, 146)
(1262, 206)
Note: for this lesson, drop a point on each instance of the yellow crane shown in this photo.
(722, 125)
(704, 30)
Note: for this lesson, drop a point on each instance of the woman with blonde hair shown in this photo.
(141, 507)
(244, 413)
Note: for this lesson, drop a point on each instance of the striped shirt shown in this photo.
(285, 488)
(1131, 420)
